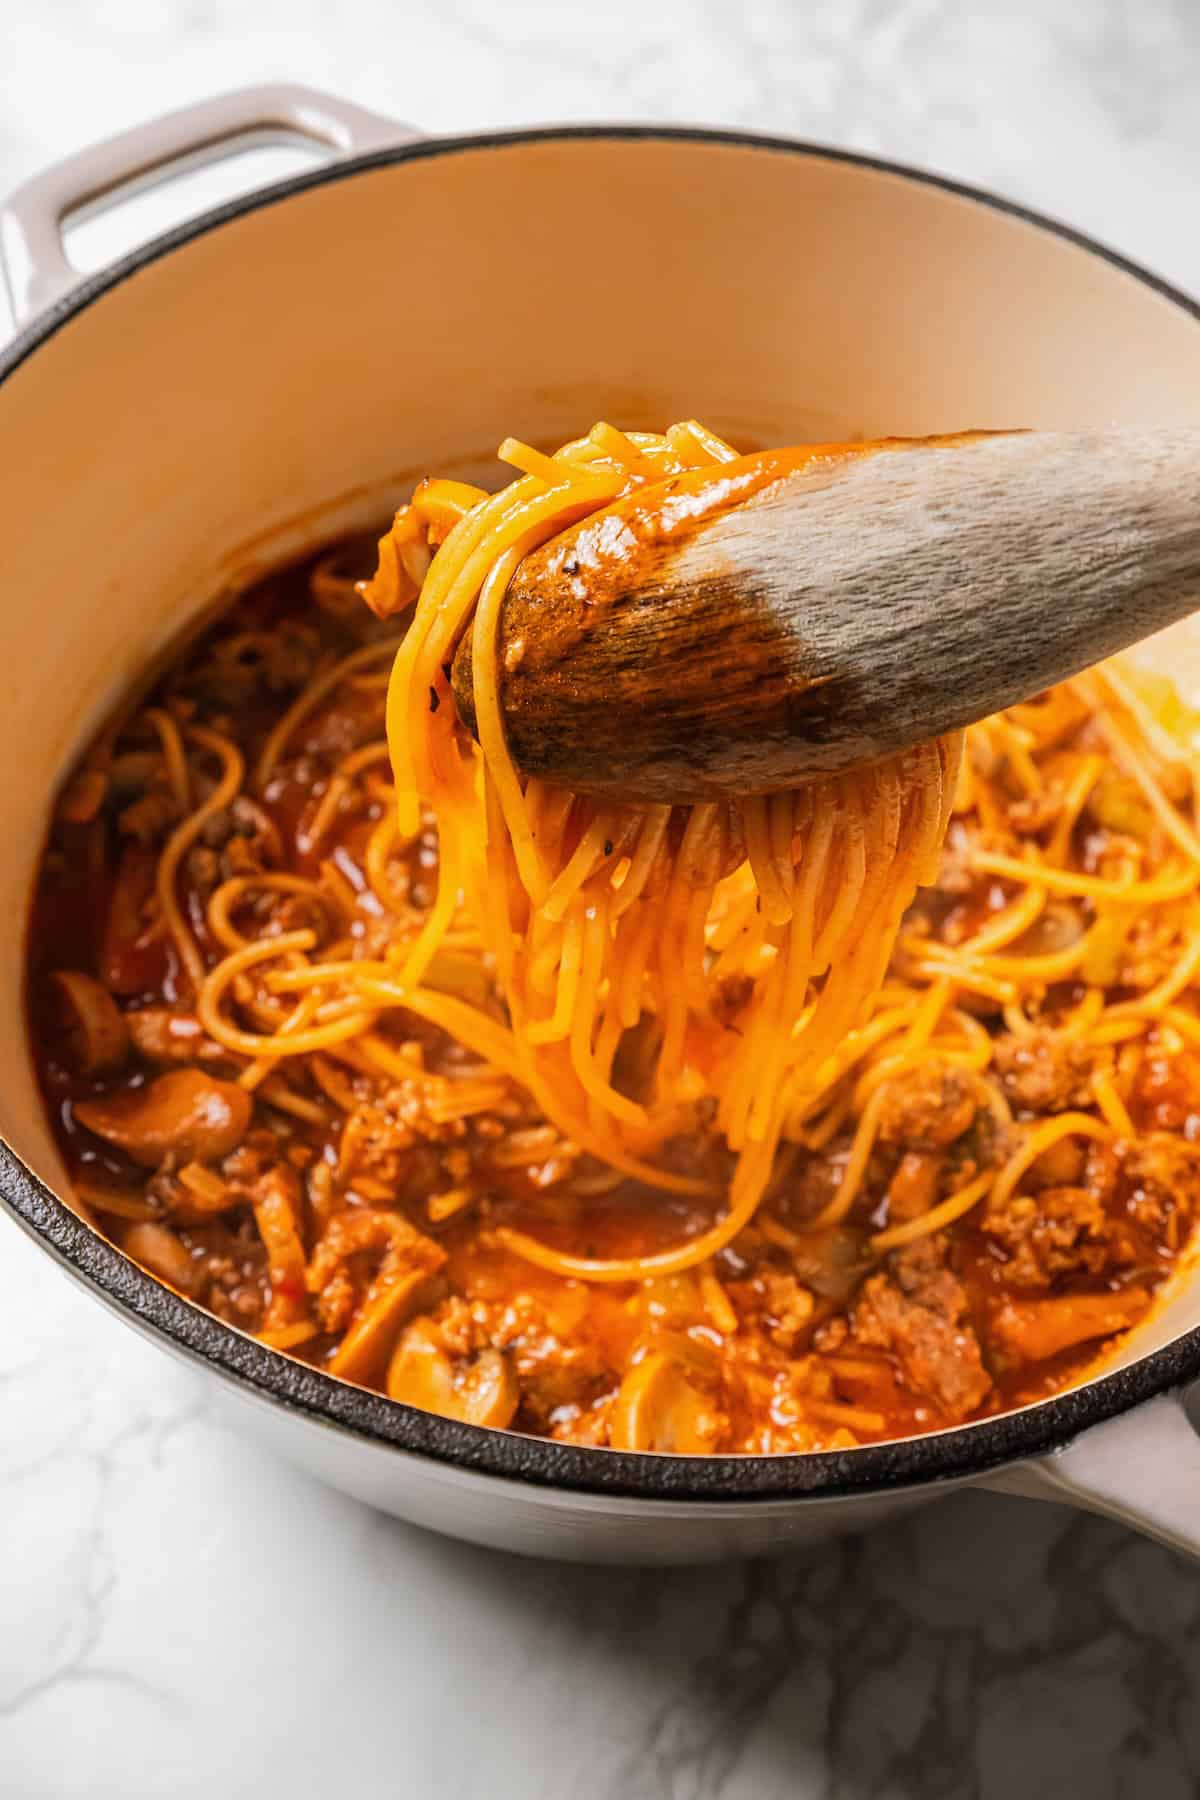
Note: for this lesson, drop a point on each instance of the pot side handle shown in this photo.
(1143, 1467)
(34, 262)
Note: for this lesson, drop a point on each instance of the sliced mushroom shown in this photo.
(87, 1023)
(388, 1303)
(187, 1114)
(659, 1408)
(160, 1251)
(479, 1390)
(277, 1208)
(407, 1262)
(1060, 925)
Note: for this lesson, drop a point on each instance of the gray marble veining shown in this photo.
(181, 1617)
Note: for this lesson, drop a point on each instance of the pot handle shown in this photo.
(34, 262)
(1143, 1467)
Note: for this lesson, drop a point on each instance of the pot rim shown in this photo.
(276, 1379)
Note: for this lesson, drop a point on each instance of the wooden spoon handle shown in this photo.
(852, 607)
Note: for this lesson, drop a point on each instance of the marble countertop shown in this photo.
(181, 1617)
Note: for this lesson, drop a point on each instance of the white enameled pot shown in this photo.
(278, 370)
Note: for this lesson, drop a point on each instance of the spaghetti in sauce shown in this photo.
(821, 1118)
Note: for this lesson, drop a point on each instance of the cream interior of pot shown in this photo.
(290, 371)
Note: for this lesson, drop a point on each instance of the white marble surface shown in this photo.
(179, 1616)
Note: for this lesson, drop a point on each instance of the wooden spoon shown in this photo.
(815, 608)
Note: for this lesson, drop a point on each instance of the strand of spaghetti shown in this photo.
(637, 940)
(257, 1044)
(429, 939)
(1038, 1139)
(1073, 802)
(693, 952)
(607, 1039)
(364, 757)
(1185, 1023)
(787, 993)
(1121, 1031)
(377, 1053)
(442, 503)
(301, 1015)
(928, 1012)
(1016, 749)
(850, 887)
(185, 835)
(775, 901)
(225, 898)
(860, 968)
(707, 443)
(616, 1105)
(276, 1093)
(688, 1255)
(327, 974)
(570, 961)
(826, 1128)
(781, 829)
(1025, 971)
(589, 852)
(1010, 923)
(1079, 1023)
(937, 1218)
(649, 842)
(1113, 1109)
(1134, 765)
(490, 729)
(766, 1028)
(858, 1044)
(1169, 884)
(671, 997)
(544, 952)
(970, 1028)
(860, 1151)
(308, 701)
(975, 981)
(1157, 998)
(174, 757)
(328, 807)
(380, 845)
(1167, 748)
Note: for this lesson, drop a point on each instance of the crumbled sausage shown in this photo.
(1041, 1072)
(1166, 1092)
(1060, 1231)
(929, 1107)
(917, 1312)
(1162, 1179)
(787, 1309)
